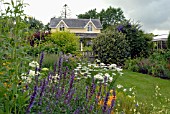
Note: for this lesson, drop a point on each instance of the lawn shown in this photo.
(145, 86)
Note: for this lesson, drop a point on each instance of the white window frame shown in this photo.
(62, 27)
(89, 27)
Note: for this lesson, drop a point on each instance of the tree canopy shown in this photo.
(108, 17)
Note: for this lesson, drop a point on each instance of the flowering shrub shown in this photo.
(155, 65)
(60, 91)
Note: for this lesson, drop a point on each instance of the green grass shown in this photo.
(145, 86)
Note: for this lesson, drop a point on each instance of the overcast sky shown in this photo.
(153, 15)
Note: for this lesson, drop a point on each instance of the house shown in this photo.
(86, 29)
(160, 41)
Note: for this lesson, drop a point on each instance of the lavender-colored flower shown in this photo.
(91, 108)
(36, 76)
(99, 93)
(41, 60)
(105, 102)
(92, 89)
(100, 89)
(64, 77)
(32, 100)
(72, 80)
(70, 96)
(60, 66)
(55, 65)
(77, 111)
(42, 91)
(87, 89)
(105, 80)
(120, 28)
(70, 86)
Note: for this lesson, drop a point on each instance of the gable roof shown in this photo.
(75, 23)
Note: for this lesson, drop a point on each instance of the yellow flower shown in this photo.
(109, 102)
(1, 73)
(111, 91)
(8, 63)
(24, 87)
(4, 64)
(45, 69)
(5, 84)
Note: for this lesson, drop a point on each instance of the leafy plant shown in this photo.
(66, 41)
(111, 47)
(139, 43)
(13, 37)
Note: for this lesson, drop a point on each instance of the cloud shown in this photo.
(152, 14)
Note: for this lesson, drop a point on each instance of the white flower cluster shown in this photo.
(101, 77)
(34, 64)
(100, 71)
(28, 77)
(55, 78)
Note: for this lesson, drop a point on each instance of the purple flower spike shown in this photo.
(77, 111)
(60, 66)
(70, 86)
(55, 65)
(100, 89)
(42, 91)
(87, 89)
(91, 108)
(92, 89)
(105, 102)
(41, 60)
(32, 100)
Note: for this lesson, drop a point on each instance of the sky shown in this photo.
(153, 15)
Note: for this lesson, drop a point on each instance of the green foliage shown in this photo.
(139, 42)
(90, 14)
(111, 47)
(67, 42)
(156, 65)
(168, 42)
(111, 16)
(34, 24)
(50, 60)
(13, 34)
(46, 46)
(107, 17)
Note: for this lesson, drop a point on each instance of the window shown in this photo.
(62, 27)
(89, 27)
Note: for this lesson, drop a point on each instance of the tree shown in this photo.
(139, 42)
(168, 42)
(111, 16)
(34, 24)
(111, 47)
(108, 17)
(90, 14)
(67, 42)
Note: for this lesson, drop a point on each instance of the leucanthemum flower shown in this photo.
(34, 64)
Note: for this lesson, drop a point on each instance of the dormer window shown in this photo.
(89, 27)
(62, 27)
